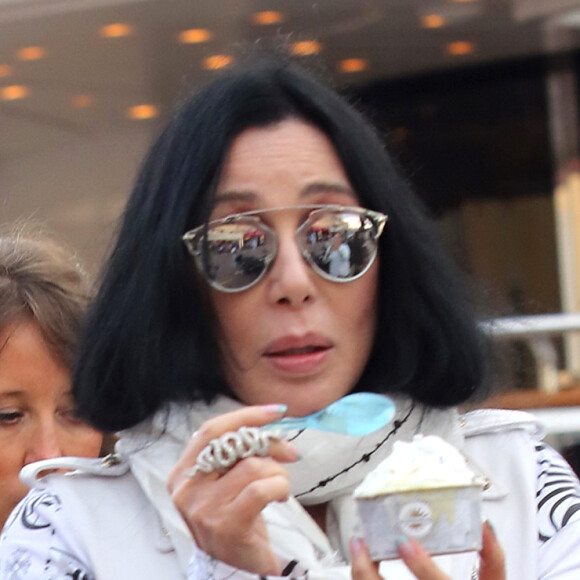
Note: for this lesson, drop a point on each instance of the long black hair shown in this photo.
(149, 340)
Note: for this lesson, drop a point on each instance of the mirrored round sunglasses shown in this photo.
(235, 252)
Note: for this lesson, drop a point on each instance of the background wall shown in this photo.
(75, 188)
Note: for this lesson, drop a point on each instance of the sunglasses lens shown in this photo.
(341, 245)
(235, 255)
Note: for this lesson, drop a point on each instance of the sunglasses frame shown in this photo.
(193, 239)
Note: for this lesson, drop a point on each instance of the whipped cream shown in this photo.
(425, 463)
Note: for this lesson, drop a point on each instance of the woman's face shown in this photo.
(294, 337)
(36, 410)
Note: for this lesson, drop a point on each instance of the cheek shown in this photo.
(83, 441)
(360, 307)
(236, 317)
(11, 461)
(12, 490)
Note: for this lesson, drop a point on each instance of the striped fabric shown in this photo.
(558, 492)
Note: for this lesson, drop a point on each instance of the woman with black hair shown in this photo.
(185, 352)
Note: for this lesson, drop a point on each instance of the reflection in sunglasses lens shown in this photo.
(235, 253)
(339, 245)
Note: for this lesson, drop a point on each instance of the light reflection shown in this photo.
(194, 36)
(14, 92)
(141, 112)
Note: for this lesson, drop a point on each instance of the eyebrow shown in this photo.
(326, 187)
(233, 195)
(12, 394)
(311, 189)
(17, 391)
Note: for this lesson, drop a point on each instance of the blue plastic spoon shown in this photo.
(356, 414)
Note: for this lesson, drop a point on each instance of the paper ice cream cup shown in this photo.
(443, 520)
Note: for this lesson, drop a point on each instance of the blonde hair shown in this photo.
(43, 281)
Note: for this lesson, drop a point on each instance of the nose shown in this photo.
(44, 442)
(290, 277)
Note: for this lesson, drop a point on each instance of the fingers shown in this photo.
(492, 561)
(224, 514)
(492, 566)
(257, 494)
(251, 485)
(256, 416)
(414, 556)
(361, 566)
(236, 498)
(222, 507)
(419, 561)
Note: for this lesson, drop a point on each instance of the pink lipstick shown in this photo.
(298, 355)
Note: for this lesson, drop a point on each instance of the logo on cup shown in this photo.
(416, 519)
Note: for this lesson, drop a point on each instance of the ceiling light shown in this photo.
(116, 30)
(82, 101)
(13, 92)
(217, 61)
(306, 47)
(5, 70)
(194, 36)
(140, 112)
(432, 21)
(267, 17)
(31, 53)
(460, 48)
(353, 65)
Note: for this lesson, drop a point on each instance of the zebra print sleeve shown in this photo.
(557, 494)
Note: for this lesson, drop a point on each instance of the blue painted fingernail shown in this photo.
(405, 548)
(279, 409)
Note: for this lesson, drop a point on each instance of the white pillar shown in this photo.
(563, 117)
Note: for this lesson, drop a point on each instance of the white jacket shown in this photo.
(121, 534)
